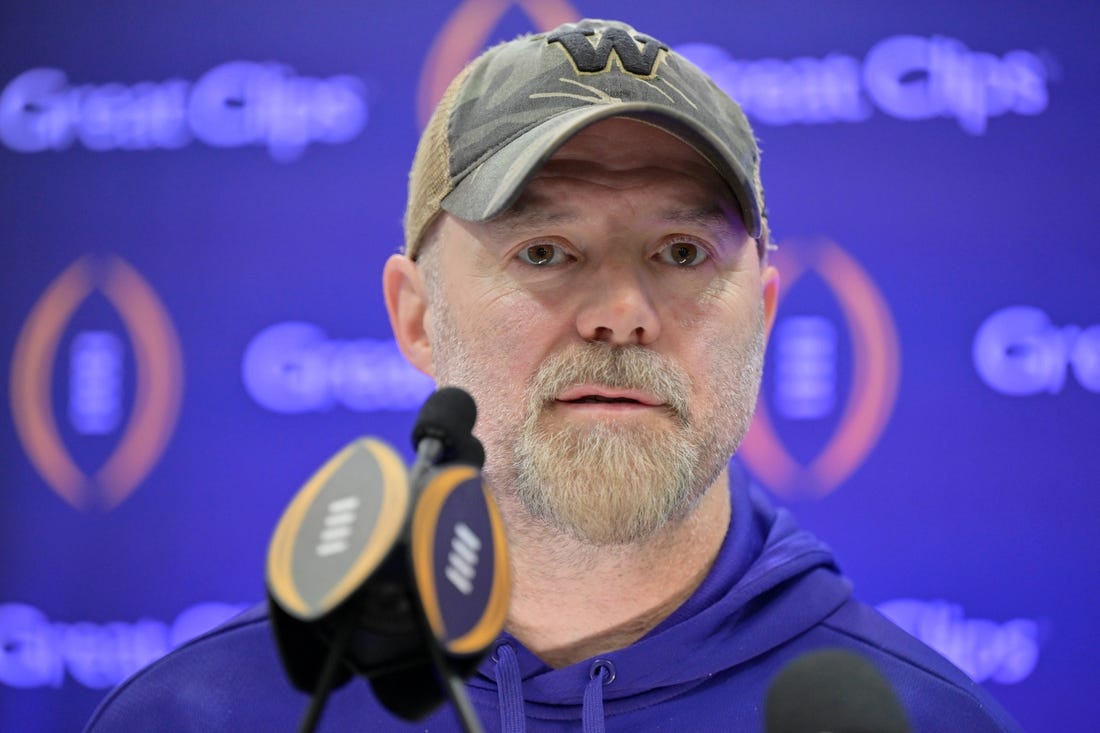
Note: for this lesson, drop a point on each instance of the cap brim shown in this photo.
(494, 184)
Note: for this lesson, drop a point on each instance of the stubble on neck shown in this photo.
(571, 601)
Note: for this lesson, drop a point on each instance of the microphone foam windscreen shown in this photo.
(832, 690)
(470, 451)
(447, 414)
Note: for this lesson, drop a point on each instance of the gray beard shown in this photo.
(608, 483)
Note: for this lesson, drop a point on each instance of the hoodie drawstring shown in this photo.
(602, 673)
(513, 719)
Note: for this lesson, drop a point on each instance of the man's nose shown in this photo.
(618, 307)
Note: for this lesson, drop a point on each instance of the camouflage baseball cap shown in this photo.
(507, 112)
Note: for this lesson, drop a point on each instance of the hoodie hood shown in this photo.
(763, 557)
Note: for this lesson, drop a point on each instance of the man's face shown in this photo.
(611, 328)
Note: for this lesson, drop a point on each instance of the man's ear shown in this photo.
(407, 304)
(769, 281)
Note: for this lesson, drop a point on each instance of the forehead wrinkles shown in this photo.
(545, 207)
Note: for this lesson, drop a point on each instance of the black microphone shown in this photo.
(443, 433)
(458, 557)
(832, 691)
(341, 530)
(354, 580)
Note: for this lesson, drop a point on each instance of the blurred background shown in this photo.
(196, 201)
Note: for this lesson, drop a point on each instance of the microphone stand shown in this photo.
(317, 703)
(452, 684)
(429, 452)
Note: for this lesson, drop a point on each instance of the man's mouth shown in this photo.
(601, 398)
(593, 395)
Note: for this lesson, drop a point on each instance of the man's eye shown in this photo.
(683, 254)
(542, 253)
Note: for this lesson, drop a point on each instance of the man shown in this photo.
(586, 253)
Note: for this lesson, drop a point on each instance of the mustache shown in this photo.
(624, 367)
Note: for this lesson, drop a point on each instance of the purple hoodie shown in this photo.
(773, 594)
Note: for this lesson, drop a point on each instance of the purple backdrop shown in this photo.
(196, 206)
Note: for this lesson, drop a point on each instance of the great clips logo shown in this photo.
(234, 104)
(1020, 351)
(101, 402)
(904, 77)
(843, 379)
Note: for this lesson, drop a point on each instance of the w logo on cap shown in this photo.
(591, 59)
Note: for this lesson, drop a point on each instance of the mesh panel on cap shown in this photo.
(430, 177)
